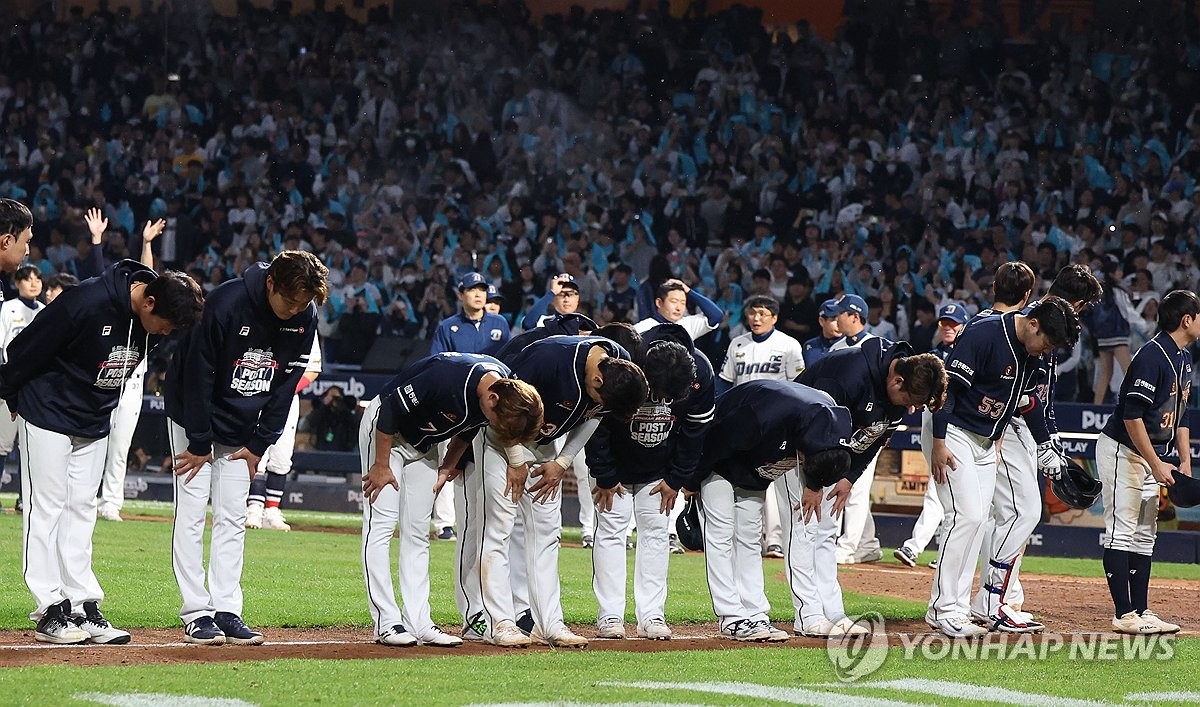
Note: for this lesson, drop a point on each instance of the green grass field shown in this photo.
(314, 579)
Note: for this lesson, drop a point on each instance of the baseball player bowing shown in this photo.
(994, 363)
(1017, 504)
(580, 378)
(228, 390)
(878, 381)
(640, 465)
(443, 397)
(1145, 440)
(63, 377)
(761, 430)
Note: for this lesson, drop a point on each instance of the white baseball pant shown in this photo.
(278, 457)
(410, 507)
(811, 552)
(468, 506)
(445, 505)
(732, 520)
(120, 437)
(967, 497)
(226, 483)
(59, 476)
(1130, 497)
(932, 512)
(858, 541)
(1016, 511)
(583, 490)
(499, 553)
(8, 430)
(772, 518)
(651, 558)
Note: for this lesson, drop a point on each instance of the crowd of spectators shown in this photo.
(902, 161)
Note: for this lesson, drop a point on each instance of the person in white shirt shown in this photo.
(764, 353)
(15, 315)
(671, 302)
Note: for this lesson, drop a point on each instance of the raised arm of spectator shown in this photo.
(97, 225)
(149, 233)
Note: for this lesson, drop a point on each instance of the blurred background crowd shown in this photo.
(902, 161)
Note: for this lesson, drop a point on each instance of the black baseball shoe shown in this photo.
(236, 631)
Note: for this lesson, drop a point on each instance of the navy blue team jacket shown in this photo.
(760, 426)
(232, 379)
(1156, 390)
(816, 348)
(857, 380)
(553, 325)
(555, 367)
(65, 370)
(663, 440)
(435, 398)
(457, 333)
(988, 373)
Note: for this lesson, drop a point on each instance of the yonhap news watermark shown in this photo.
(856, 657)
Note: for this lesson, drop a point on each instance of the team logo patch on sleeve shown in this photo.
(774, 470)
(254, 372)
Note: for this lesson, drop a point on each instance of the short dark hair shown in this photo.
(26, 272)
(63, 281)
(827, 464)
(15, 217)
(1174, 306)
(762, 301)
(297, 273)
(667, 288)
(624, 389)
(924, 376)
(626, 336)
(670, 370)
(177, 298)
(1076, 283)
(1057, 320)
(1013, 283)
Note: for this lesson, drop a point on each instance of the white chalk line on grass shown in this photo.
(965, 691)
(790, 695)
(158, 699)
(1159, 697)
(183, 644)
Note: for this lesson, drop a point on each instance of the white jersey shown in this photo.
(778, 357)
(696, 324)
(313, 360)
(15, 316)
(852, 342)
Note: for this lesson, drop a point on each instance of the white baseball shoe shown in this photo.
(956, 628)
(254, 516)
(107, 512)
(98, 628)
(507, 635)
(820, 628)
(1133, 624)
(1163, 626)
(655, 629)
(747, 631)
(272, 519)
(1009, 620)
(905, 555)
(610, 627)
(563, 638)
(57, 626)
(438, 638)
(776, 636)
(845, 627)
(397, 636)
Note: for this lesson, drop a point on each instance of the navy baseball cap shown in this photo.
(567, 280)
(853, 303)
(955, 312)
(1186, 491)
(829, 308)
(471, 279)
(493, 293)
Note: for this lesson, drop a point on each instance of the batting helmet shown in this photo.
(687, 525)
(1075, 486)
(1186, 491)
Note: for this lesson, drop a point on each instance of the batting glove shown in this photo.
(1050, 460)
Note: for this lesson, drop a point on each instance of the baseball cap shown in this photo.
(852, 303)
(471, 279)
(567, 280)
(493, 293)
(955, 312)
(829, 308)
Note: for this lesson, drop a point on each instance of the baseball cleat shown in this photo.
(98, 628)
(776, 636)
(397, 635)
(1009, 620)
(254, 516)
(1163, 626)
(204, 632)
(845, 627)
(56, 626)
(1133, 624)
(507, 635)
(272, 519)
(587, 541)
(446, 533)
(933, 564)
(611, 627)
(774, 552)
(747, 631)
(655, 630)
(563, 638)
(236, 631)
(905, 555)
(629, 543)
(819, 628)
(475, 630)
(957, 628)
(109, 513)
(440, 639)
(872, 556)
(673, 543)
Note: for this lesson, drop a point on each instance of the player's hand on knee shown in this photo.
(1162, 472)
(445, 475)
(1049, 459)
(667, 496)
(250, 458)
(516, 476)
(810, 505)
(376, 478)
(942, 462)
(603, 498)
(549, 476)
(188, 463)
(840, 495)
